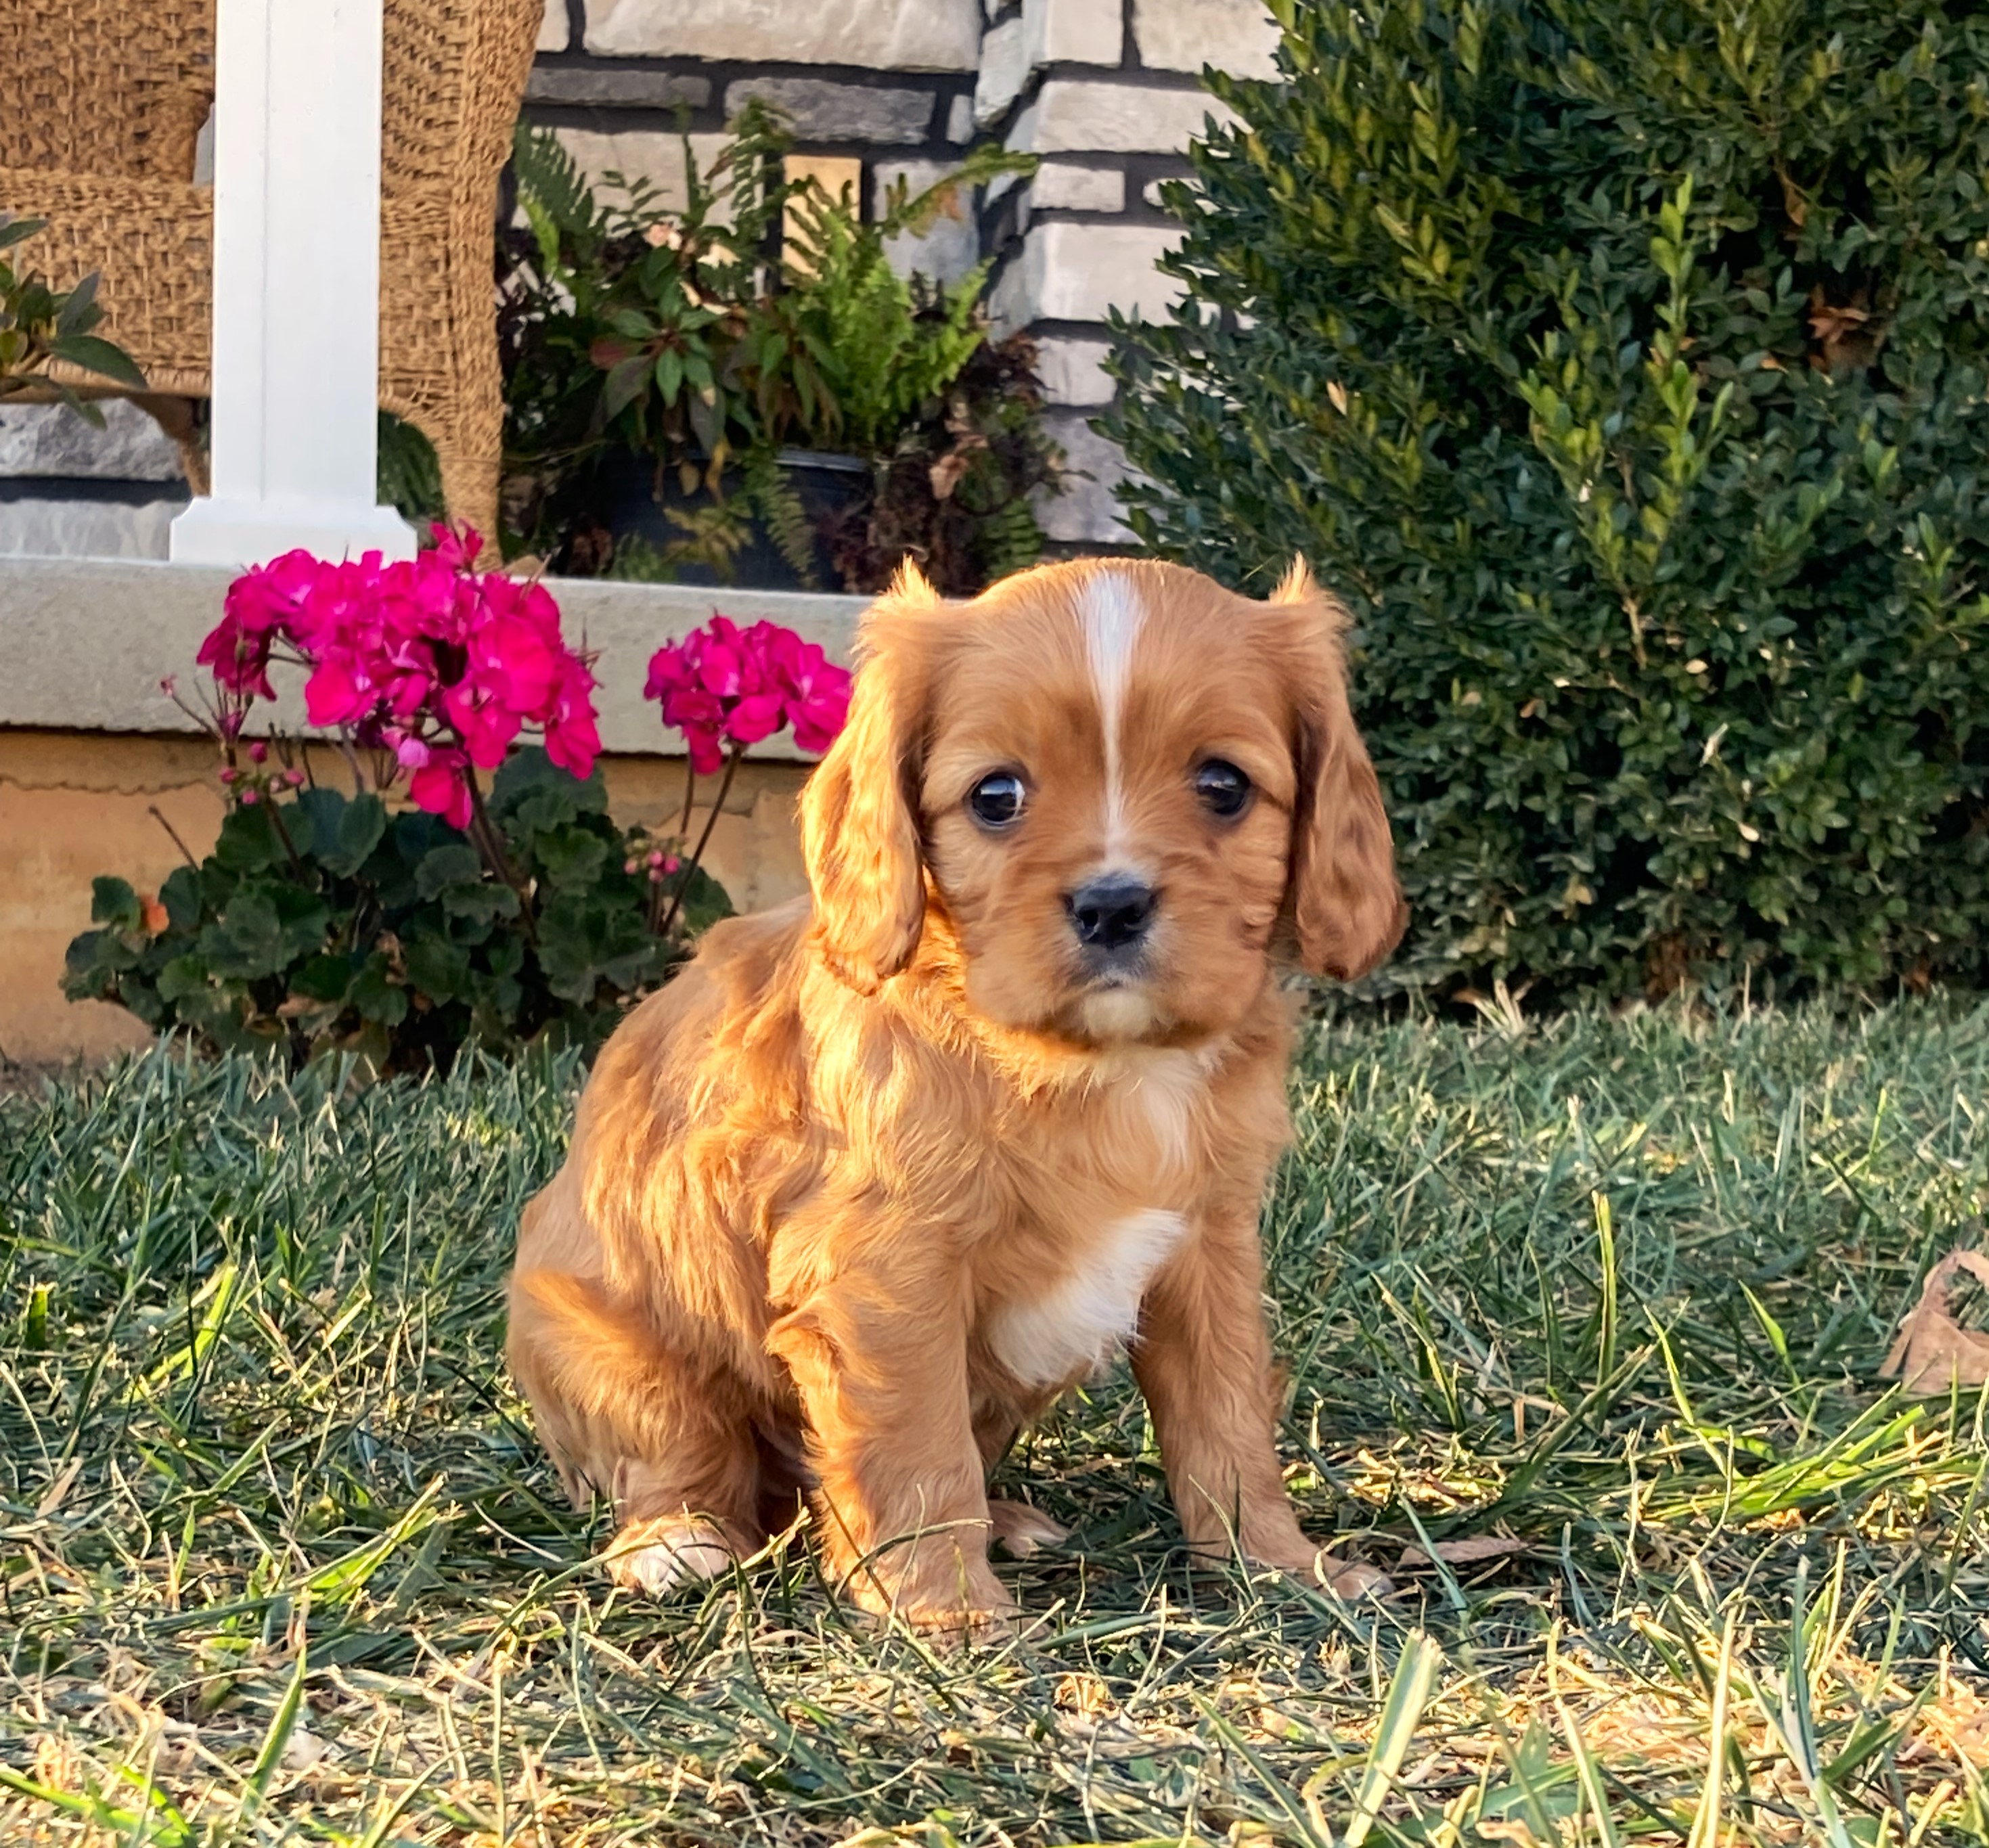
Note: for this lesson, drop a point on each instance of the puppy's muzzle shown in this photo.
(1112, 917)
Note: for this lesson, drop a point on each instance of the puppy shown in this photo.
(882, 1173)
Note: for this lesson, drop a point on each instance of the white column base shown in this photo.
(244, 532)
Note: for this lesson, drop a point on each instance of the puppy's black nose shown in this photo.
(1111, 913)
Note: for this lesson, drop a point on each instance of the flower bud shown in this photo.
(248, 797)
(656, 859)
(671, 863)
(630, 865)
(228, 772)
(655, 876)
(258, 752)
(295, 778)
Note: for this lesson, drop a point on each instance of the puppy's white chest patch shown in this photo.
(1163, 1095)
(1080, 1321)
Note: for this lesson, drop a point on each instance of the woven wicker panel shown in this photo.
(105, 87)
(453, 76)
(152, 240)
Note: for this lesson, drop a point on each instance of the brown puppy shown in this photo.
(880, 1175)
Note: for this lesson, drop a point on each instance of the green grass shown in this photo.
(281, 1561)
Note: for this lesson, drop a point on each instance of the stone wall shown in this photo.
(68, 489)
(873, 90)
(1107, 92)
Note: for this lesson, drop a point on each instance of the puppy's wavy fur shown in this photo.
(885, 1171)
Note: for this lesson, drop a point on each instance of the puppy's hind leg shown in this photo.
(622, 1417)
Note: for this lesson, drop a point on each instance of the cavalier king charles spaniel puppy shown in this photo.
(882, 1173)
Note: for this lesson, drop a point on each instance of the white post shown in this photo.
(296, 287)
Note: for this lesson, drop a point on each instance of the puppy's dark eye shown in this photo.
(996, 801)
(1224, 789)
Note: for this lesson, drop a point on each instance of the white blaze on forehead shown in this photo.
(1111, 612)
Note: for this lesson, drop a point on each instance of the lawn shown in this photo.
(281, 1561)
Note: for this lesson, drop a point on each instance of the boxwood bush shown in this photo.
(1621, 364)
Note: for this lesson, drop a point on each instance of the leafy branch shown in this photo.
(40, 327)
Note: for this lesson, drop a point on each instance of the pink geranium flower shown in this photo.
(441, 788)
(722, 685)
(443, 665)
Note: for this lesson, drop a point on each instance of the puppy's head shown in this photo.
(1127, 792)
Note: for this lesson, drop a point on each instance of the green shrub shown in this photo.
(325, 923)
(1621, 362)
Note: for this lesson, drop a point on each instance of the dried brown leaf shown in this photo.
(1934, 1353)
(58, 1491)
(1846, 333)
(1471, 1552)
(946, 473)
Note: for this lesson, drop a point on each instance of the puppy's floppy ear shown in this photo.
(860, 817)
(1346, 904)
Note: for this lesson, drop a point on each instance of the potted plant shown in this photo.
(681, 406)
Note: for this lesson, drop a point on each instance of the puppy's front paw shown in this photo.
(961, 1629)
(658, 1555)
(1349, 1579)
(1314, 1565)
(1021, 1529)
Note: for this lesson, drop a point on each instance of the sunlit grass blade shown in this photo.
(1408, 1693)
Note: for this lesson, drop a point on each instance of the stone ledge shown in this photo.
(69, 526)
(88, 641)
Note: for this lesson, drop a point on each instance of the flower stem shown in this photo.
(283, 835)
(704, 839)
(490, 844)
(185, 852)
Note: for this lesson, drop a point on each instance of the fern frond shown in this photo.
(551, 186)
(637, 561)
(1010, 539)
(779, 506)
(901, 210)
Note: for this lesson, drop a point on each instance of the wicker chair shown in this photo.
(101, 102)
